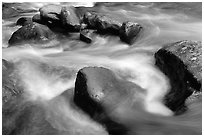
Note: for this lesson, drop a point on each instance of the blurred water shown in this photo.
(162, 22)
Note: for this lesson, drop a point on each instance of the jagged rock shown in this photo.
(103, 24)
(86, 35)
(181, 62)
(51, 14)
(33, 32)
(69, 19)
(129, 32)
(99, 92)
(24, 21)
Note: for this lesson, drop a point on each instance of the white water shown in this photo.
(135, 63)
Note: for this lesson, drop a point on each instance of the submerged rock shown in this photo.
(103, 24)
(129, 32)
(182, 63)
(33, 32)
(86, 35)
(69, 19)
(24, 21)
(100, 93)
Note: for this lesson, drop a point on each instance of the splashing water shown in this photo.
(45, 83)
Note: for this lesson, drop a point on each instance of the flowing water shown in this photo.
(162, 22)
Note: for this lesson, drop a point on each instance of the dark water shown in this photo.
(163, 23)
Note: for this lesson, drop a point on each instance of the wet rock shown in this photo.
(69, 19)
(181, 62)
(31, 33)
(129, 32)
(103, 24)
(24, 21)
(37, 18)
(51, 14)
(99, 93)
(86, 35)
(9, 82)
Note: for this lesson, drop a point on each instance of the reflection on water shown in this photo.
(161, 25)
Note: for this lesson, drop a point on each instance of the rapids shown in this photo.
(163, 23)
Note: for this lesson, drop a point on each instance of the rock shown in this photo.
(37, 18)
(99, 92)
(181, 62)
(86, 35)
(103, 24)
(24, 21)
(51, 14)
(33, 32)
(69, 18)
(9, 82)
(129, 32)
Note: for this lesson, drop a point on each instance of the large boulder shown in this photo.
(51, 14)
(129, 32)
(103, 24)
(69, 19)
(31, 33)
(182, 63)
(100, 93)
(23, 21)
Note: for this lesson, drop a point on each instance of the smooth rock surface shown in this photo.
(31, 33)
(69, 19)
(23, 21)
(51, 14)
(101, 94)
(129, 32)
(103, 24)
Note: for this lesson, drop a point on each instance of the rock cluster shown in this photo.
(65, 19)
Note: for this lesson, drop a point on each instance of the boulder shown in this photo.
(129, 32)
(103, 24)
(24, 21)
(86, 35)
(181, 62)
(51, 14)
(33, 32)
(69, 19)
(100, 93)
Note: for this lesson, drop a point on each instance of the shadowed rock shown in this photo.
(86, 35)
(51, 14)
(69, 19)
(23, 21)
(33, 32)
(100, 93)
(129, 32)
(103, 24)
(182, 63)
